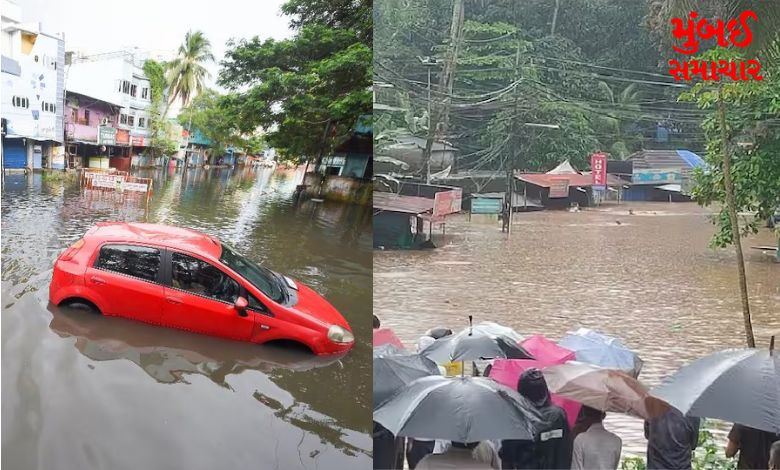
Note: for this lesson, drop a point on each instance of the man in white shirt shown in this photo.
(596, 448)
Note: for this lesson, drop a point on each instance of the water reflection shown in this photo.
(168, 355)
(149, 397)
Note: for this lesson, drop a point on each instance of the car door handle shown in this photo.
(98, 280)
(173, 300)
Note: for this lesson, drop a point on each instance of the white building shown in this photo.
(116, 77)
(32, 92)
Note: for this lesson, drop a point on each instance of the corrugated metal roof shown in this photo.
(546, 180)
(406, 204)
(666, 159)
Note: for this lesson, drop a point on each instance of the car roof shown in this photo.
(157, 234)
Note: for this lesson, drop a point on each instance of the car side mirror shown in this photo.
(240, 305)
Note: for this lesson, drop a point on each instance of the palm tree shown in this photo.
(186, 73)
(625, 102)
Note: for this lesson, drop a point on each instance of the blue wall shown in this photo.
(637, 193)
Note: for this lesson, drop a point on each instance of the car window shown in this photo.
(255, 304)
(258, 276)
(199, 277)
(138, 261)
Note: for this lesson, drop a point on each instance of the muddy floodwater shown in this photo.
(81, 391)
(648, 278)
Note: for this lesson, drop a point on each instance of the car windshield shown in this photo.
(258, 276)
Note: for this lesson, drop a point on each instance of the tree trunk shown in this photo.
(731, 208)
(446, 80)
(167, 107)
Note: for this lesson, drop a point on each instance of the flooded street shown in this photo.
(81, 391)
(648, 278)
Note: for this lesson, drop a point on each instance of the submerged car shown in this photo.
(181, 278)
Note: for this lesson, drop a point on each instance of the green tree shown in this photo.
(186, 74)
(720, 125)
(209, 113)
(497, 55)
(743, 142)
(159, 127)
(318, 82)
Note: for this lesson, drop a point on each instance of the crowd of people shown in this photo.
(671, 441)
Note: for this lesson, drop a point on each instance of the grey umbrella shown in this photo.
(389, 350)
(461, 409)
(741, 386)
(478, 345)
(392, 371)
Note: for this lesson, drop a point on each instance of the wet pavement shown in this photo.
(85, 391)
(649, 278)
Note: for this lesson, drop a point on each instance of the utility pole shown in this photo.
(446, 80)
(429, 97)
(510, 176)
(555, 17)
(428, 62)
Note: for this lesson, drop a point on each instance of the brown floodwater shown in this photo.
(650, 279)
(81, 391)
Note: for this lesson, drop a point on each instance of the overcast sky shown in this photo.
(155, 26)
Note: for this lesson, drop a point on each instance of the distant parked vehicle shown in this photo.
(185, 279)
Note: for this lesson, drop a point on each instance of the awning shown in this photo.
(674, 188)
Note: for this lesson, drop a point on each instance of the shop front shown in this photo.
(121, 158)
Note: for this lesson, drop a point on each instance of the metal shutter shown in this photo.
(14, 154)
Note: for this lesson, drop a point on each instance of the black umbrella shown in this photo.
(393, 371)
(483, 341)
(738, 385)
(464, 347)
(439, 332)
(461, 409)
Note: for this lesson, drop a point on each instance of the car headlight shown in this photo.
(340, 335)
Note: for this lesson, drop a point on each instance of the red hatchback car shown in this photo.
(185, 279)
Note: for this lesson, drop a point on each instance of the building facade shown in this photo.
(196, 148)
(32, 93)
(92, 137)
(117, 78)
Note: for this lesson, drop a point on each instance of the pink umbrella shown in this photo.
(546, 351)
(507, 372)
(386, 336)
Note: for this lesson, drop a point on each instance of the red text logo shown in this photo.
(736, 32)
